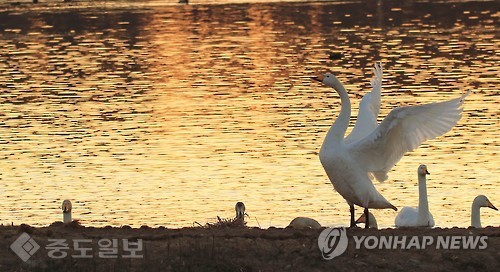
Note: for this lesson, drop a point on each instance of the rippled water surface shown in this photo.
(170, 114)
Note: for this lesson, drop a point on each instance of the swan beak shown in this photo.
(491, 206)
(427, 172)
(318, 78)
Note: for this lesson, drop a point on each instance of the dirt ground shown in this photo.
(241, 249)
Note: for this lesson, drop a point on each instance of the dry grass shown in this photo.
(224, 223)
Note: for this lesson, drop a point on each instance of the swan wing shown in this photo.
(369, 108)
(431, 220)
(407, 217)
(403, 130)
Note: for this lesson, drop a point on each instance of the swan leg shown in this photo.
(353, 222)
(367, 219)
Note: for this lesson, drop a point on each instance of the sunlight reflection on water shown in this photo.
(166, 115)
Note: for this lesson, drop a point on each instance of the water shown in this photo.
(164, 114)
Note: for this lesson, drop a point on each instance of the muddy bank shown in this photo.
(235, 249)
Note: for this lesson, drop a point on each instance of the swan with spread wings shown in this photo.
(371, 149)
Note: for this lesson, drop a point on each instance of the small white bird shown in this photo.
(420, 216)
(372, 149)
(372, 221)
(240, 211)
(475, 216)
(304, 223)
(66, 209)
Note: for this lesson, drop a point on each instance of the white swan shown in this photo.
(420, 216)
(66, 209)
(475, 217)
(240, 211)
(369, 107)
(304, 223)
(371, 218)
(371, 150)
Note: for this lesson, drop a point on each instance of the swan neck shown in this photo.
(240, 215)
(336, 133)
(423, 203)
(475, 216)
(66, 217)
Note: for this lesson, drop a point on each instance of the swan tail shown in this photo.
(383, 205)
(380, 202)
(462, 98)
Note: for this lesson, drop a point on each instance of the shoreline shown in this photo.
(241, 249)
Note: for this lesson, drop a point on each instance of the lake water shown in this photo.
(163, 114)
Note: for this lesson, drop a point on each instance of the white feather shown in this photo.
(371, 149)
(403, 130)
(369, 108)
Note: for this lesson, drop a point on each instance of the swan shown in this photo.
(371, 219)
(371, 149)
(420, 216)
(304, 222)
(240, 211)
(66, 209)
(475, 216)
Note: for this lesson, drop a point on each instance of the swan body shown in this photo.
(371, 149)
(479, 201)
(372, 220)
(419, 216)
(66, 209)
(240, 211)
(304, 223)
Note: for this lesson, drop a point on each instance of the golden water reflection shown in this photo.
(168, 115)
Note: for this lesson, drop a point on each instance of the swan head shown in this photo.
(422, 170)
(328, 79)
(483, 201)
(371, 217)
(240, 210)
(66, 206)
